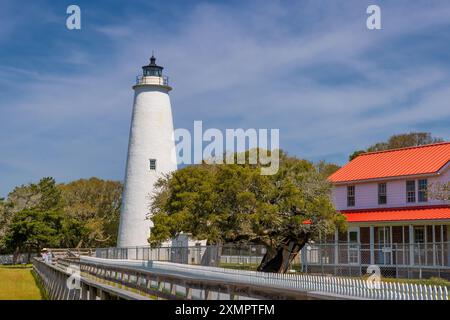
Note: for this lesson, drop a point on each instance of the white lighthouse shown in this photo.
(151, 153)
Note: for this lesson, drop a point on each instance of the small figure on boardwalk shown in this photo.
(44, 255)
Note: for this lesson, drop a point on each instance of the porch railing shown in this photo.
(416, 260)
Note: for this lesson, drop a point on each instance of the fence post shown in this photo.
(359, 259)
(305, 259)
(320, 257)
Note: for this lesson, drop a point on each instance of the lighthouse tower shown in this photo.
(151, 153)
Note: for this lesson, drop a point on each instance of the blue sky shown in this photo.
(310, 68)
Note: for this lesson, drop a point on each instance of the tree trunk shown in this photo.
(279, 259)
(16, 255)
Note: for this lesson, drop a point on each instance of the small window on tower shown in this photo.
(152, 164)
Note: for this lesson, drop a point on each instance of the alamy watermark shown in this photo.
(73, 281)
(73, 21)
(212, 146)
(374, 279)
(373, 22)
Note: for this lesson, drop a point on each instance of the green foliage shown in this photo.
(326, 169)
(4, 221)
(18, 282)
(80, 213)
(235, 203)
(404, 140)
(355, 154)
(92, 209)
(38, 225)
(411, 139)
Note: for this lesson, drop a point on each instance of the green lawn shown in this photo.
(18, 283)
(251, 266)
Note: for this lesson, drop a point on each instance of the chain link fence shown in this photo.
(413, 261)
(245, 257)
(21, 258)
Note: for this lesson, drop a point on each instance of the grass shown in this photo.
(18, 283)
(251, 266)
(433, 281)
(246, 266)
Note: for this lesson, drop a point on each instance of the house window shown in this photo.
(411, 191)
(382, 195)
(350, 196)
(353, 248)
(353, 236)
(423, 185)
(152, 164)
(419, 234)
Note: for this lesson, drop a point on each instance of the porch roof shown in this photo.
(399, 214)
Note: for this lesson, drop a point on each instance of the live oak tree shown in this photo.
(38, 223)
(234, 203)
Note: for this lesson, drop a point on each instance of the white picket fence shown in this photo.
(348, 287)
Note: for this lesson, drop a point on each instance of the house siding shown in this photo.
(366, 194)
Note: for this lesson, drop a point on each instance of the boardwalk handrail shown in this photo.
(301, 283)
(53, 278)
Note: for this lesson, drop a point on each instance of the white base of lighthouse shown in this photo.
(151, 153)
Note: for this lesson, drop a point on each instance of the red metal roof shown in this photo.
(399, 214)
(426, 159)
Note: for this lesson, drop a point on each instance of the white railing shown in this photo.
(326, 285)
(163, 80)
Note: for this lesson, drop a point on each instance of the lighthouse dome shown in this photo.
(152, 69)
(152, 75)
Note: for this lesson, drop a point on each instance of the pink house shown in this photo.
(396, 213)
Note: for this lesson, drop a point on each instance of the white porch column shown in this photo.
(411, 244)
(336, 250)
(372, 245)
(448, 244)
(425, 243)
(434, 244)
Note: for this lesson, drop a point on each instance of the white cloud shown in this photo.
(265, 65)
